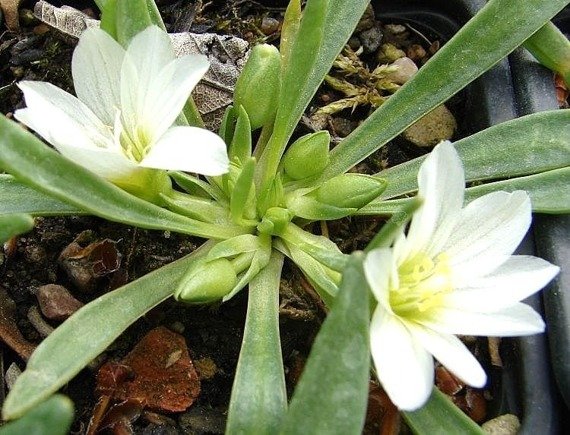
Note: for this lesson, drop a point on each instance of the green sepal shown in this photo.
(257, 87)
(148, 184)
(240, 147)
(242, 200)
(308, 156)
(320, 248)
(259, 250)
(206, 282)
(13, 224)
(227, 126)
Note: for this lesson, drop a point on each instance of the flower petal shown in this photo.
(378, 267)
(489, 230)
(96, 70)
(147, 54)
(518, 278)
(171, 89)
(60, 118)
(403, 367)
(452, 353)
(441, 184)
(189, 149)
(519, 319)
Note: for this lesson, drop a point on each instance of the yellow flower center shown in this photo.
(135, 144)
(423, 283)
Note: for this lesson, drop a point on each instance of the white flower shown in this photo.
(452, 274)
(128, 100)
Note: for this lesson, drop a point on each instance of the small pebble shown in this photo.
(507, 424)
(371, 39)
(56, 303)
(269, 25)
(406, 70)
(342, 126)
(436, 126)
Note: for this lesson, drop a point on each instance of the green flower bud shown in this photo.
(350, 190)
(207, 282)
(307, 156)
(275, 221)
(257, 87)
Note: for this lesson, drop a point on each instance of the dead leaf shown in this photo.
(10, 9)
(226, 54)
(162, 376)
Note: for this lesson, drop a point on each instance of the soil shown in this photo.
(213, 333)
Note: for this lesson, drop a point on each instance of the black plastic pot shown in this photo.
(535, 92)
(525, 384)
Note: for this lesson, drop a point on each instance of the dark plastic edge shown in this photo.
(535, 92)
(527, 385)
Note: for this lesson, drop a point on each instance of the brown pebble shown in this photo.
(56, 303)
(436, 126)
(269, 25)
(416, 52)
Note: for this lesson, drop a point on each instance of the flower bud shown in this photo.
(350, 190)
(307, 156)
(207, 282)
(257, 87)
(275, 221)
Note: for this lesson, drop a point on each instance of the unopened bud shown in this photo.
(350, 190)
(257, 87)
(307, 156)
(207, 282)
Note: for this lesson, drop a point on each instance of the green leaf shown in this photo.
(52, 417)
(89, 331)
(13, 224)
(35, 164)
(440, 416)
(552, 49)
(392, 229)
(16, 197)
(500, 27)
(523, 146)
(325, 27)
(133, 16)
(259, 399)
(332, 395)
(549, 193)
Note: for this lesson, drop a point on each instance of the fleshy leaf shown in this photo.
(259, 399)
(332, 395)
(53, 417)
(13, 224)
